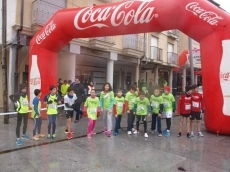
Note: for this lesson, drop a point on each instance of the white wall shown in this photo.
(11, 19)
(66, 65)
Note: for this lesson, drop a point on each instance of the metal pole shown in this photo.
(4, 63)
(191, 60)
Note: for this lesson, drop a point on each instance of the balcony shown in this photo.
(156, 54)
(42, 11)
(102, 42)
(173, 34)
(172, 59)
(133, 45)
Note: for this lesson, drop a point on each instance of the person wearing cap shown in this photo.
(52, 100)
(197, 108)
(184, 109)
(21, 105)
(169, 107)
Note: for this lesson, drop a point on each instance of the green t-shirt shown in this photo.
(155, 103)
(119, 102)
(168, 102)
(142, 106)
(24, 105)
(131, 98)
(107, 100)
(92, 104)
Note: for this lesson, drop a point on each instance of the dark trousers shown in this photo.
(21, 116)
(78, 111)
(143, 118)
(52, 122)
(117, 123)
(131, 118)
(156, 119)
(168, 123)
(37, 126)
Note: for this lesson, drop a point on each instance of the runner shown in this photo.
(69, 100)
(52, 100)
(21, 104)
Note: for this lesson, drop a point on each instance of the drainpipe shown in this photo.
(19, 47)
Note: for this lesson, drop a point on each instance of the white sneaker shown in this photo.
(129, 133)
(146, 135)
(133, 130)
(192, 134)
(160, 135)
(200, 134)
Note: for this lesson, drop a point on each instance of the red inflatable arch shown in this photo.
(199, 19)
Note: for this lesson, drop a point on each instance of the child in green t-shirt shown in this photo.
(169, 108)
(118, 111)
(156, 102)
(106, 103)
(92, 110)
(141, 109)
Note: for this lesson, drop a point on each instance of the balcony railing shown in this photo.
(156, 53)
(42, 11)
(173, 33)
(109, 39)
(172, 58)
(134, 41)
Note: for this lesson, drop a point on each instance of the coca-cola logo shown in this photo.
(115, 15)
(208, 16)
(225, 76)
(48, 30)
(35, 81)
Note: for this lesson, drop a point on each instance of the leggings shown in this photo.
(52, 121)
(143, 118)
(37, 125)
(168, 123)
(91, 126)
(19, 122)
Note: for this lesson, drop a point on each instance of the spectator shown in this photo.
(60, 82)
(90, 88)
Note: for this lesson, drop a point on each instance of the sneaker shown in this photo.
(53, 136)
(129, 133)
(188, 135)
(108, 133)
(35, 137)
(200, 134)
(152, 131)
(146, 135)
(69, 136)
(71, 131)
(19, 142)
(115, 133)
(192, 134)
(25, 137)
(133, 130)
(105, 130)
(167, 133)
(179, 134)
(93, 133)
(48, 136)
(89, 136)
(41, 135)
(136, 132)
(160, 135)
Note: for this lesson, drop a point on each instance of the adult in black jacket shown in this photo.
(80, 93)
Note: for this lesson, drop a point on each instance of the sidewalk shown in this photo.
(122, 153)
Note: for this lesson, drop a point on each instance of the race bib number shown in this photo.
(195, 104)
(119, 104)
(155, 104)
(93, 110)
(25, 103)
(187, 107)
(53, 106)
(107, 96)
(168, 114)
(141, 108)
(166, 104)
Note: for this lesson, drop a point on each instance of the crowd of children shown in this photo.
(135, 104)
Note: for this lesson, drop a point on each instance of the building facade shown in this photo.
(120, 60)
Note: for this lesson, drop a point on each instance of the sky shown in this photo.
(225, 4)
